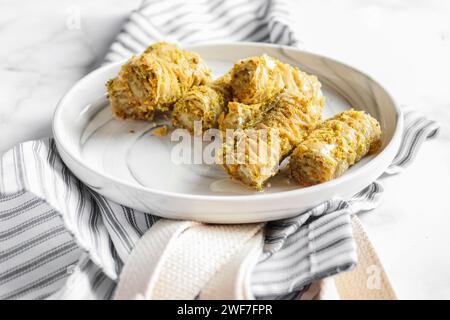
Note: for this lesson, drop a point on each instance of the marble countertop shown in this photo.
(404, 44)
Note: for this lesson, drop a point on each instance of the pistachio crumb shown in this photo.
(161, 131)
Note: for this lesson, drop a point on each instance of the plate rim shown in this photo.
(391, 148)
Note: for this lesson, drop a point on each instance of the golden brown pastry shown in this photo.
(203, 104)
(155, 80)
(251, 159)
(334, 146)
(241, 115)
(258, 79)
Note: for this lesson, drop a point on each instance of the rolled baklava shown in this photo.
(253, 155)
(203, 104)
(258, 79)
(241, 115)
(334, 146)
(155, 80)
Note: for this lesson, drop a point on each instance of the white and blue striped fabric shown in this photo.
(61, 240)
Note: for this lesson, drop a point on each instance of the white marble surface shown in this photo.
(403, 44)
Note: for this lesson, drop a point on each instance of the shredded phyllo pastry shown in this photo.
(255, 82)
(240, 115)
(266, 111)
(252, 155)
(334, 146)
(204, 104)
(258, 79)
(155, 80)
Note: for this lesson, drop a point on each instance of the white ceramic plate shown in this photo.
(123, 161)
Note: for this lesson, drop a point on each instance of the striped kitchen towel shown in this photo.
(60, 239)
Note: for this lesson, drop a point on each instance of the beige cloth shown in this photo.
(185, 260)
(177, 259)
(368, 281)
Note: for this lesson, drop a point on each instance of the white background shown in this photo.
(403, 44)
